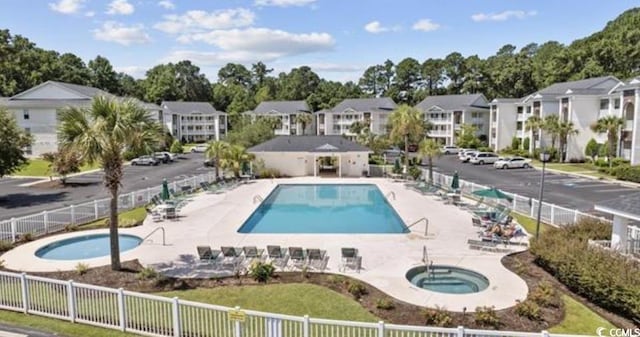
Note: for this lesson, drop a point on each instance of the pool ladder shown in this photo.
(164, 243)
(257, 198)
(426, 225)
(425, 259)
(392, 193)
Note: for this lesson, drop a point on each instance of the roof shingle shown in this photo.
(189, 107)
(309, 144)
(366, 104)
(283, 107)
(454, 102)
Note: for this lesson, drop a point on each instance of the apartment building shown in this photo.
(36, 110)
(626, 104)
(373, 111)
(448, 112)
(503, 122)
(194, 122)
(295, 116)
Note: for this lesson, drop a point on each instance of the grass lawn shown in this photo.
(291, 299)
(528, 223)
(579, 319)
(56, 326)
(40, 168)
(581, 168)
(127, 219)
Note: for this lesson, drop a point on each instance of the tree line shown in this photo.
(510, 72)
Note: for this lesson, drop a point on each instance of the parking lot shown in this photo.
(561, 189)
(18, 201)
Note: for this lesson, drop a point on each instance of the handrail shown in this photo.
(164, 242)
(390, 194)
(426, 223)
(258, 198)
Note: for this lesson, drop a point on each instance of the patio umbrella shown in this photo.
(455, 182)
(492, 193)
(245, 167)
(165, 190)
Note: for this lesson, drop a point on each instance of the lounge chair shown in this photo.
(252, 253)
(231, 257)
(277, 256)
(478, 222)
(296, 254)
(316, 259)
(350, 259)
(207, 255)
(478, 206)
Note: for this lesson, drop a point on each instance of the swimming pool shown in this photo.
(324, 208)
(85, 247)
(447, 279)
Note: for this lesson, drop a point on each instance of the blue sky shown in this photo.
(337, 38)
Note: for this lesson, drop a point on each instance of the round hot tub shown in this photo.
(85, 247)
(447, 279)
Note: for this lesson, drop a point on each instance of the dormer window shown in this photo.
(25, 114)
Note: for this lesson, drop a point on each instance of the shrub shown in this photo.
(5, 246)
(337, 279)
(437, 316)
(487, 316)
(384, 304)
(626, 172)
(515, 143)
(553, 153)
(70, 228)
(545, 295)
(268, 172)
(592, 148)
(615, 162)
(604, 278)
(176, 147)
(82, 268)
(25, 237)
(415, 172)
(577, 160)
(147, 273)
(261, 272)
(356, 289)
(525, 144)
(528, 309)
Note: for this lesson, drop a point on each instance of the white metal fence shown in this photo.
(152, 315)
(550, 213)
(56, 220)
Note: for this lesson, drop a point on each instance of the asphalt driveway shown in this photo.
(18, 201)
(561, 189)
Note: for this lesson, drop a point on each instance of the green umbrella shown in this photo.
(455, 182)
(165, 190)
(492, 193)
(245, 167)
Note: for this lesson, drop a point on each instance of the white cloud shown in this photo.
(219, 58)
(503, 16)
(121, 7)
(199, 21)
(122, 34)
(67, 6)
(425, 25)
(283, 3)
(376, 27)
(334, 67)
(134, 71)
(90, 14)
(166, 4)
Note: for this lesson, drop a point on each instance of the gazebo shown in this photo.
(625, 232)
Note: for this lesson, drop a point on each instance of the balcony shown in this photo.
(439, 120)
(521, 117)
(440, 133)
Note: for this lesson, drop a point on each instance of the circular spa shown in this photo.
(447, 279)
(85, 247)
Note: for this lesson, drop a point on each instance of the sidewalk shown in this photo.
(52, 178)
(586, 176)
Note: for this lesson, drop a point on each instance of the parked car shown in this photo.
(482, 158)
(199, 148)
(512, 162)
(392, 154)
(450, 149)
(145, 160)
(163, 157)
(209, 163)
(466, 155)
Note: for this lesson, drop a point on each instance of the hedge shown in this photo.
(604, 278)
(626, 172)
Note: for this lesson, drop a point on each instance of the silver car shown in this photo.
(466, 155)
(145, 160)
(481, 158)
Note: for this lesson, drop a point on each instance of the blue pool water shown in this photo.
(85, 247)
(324, 208)
(447, 279)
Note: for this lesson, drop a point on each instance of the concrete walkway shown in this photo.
(213, 220)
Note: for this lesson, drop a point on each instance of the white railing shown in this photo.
(152, 315)
(550, 213)
(56, 220)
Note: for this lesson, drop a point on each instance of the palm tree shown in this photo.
(534, 124)
(565, 130)
(234, 157)
(215, 151)
(304, 119)
(101, 133)
(407, 123)
(429, 149)
(550, 126)
(611, 125)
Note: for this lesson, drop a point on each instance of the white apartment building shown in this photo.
(503, 122)
(287, 112)
(448, 112)
(194, 122)
(628, 97)
(36, 110)
(373, 111)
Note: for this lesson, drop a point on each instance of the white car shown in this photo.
(145, 160)
(199, 148)
(512, 162)
(466, 155)
(450, 149)
(481, 158)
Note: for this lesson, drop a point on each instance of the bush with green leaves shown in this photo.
(528, 309)
(176, 147)
(437, 317)
(545, 295)
(415, 172)
(356, 289)
(604, 278)
(5, 246)
(592, 148)
(525, 144)
(515, 143)
(147, 273)
(261, 272)
(384, 304)
(82, 268)
(626, 172)
(25, 237)
(487, 316)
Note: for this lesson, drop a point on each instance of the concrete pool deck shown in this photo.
(213, 220)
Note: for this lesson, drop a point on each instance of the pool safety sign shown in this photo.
(237, 315)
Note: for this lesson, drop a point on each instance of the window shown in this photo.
(25, 114)
(616, 103)
(604, 104)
